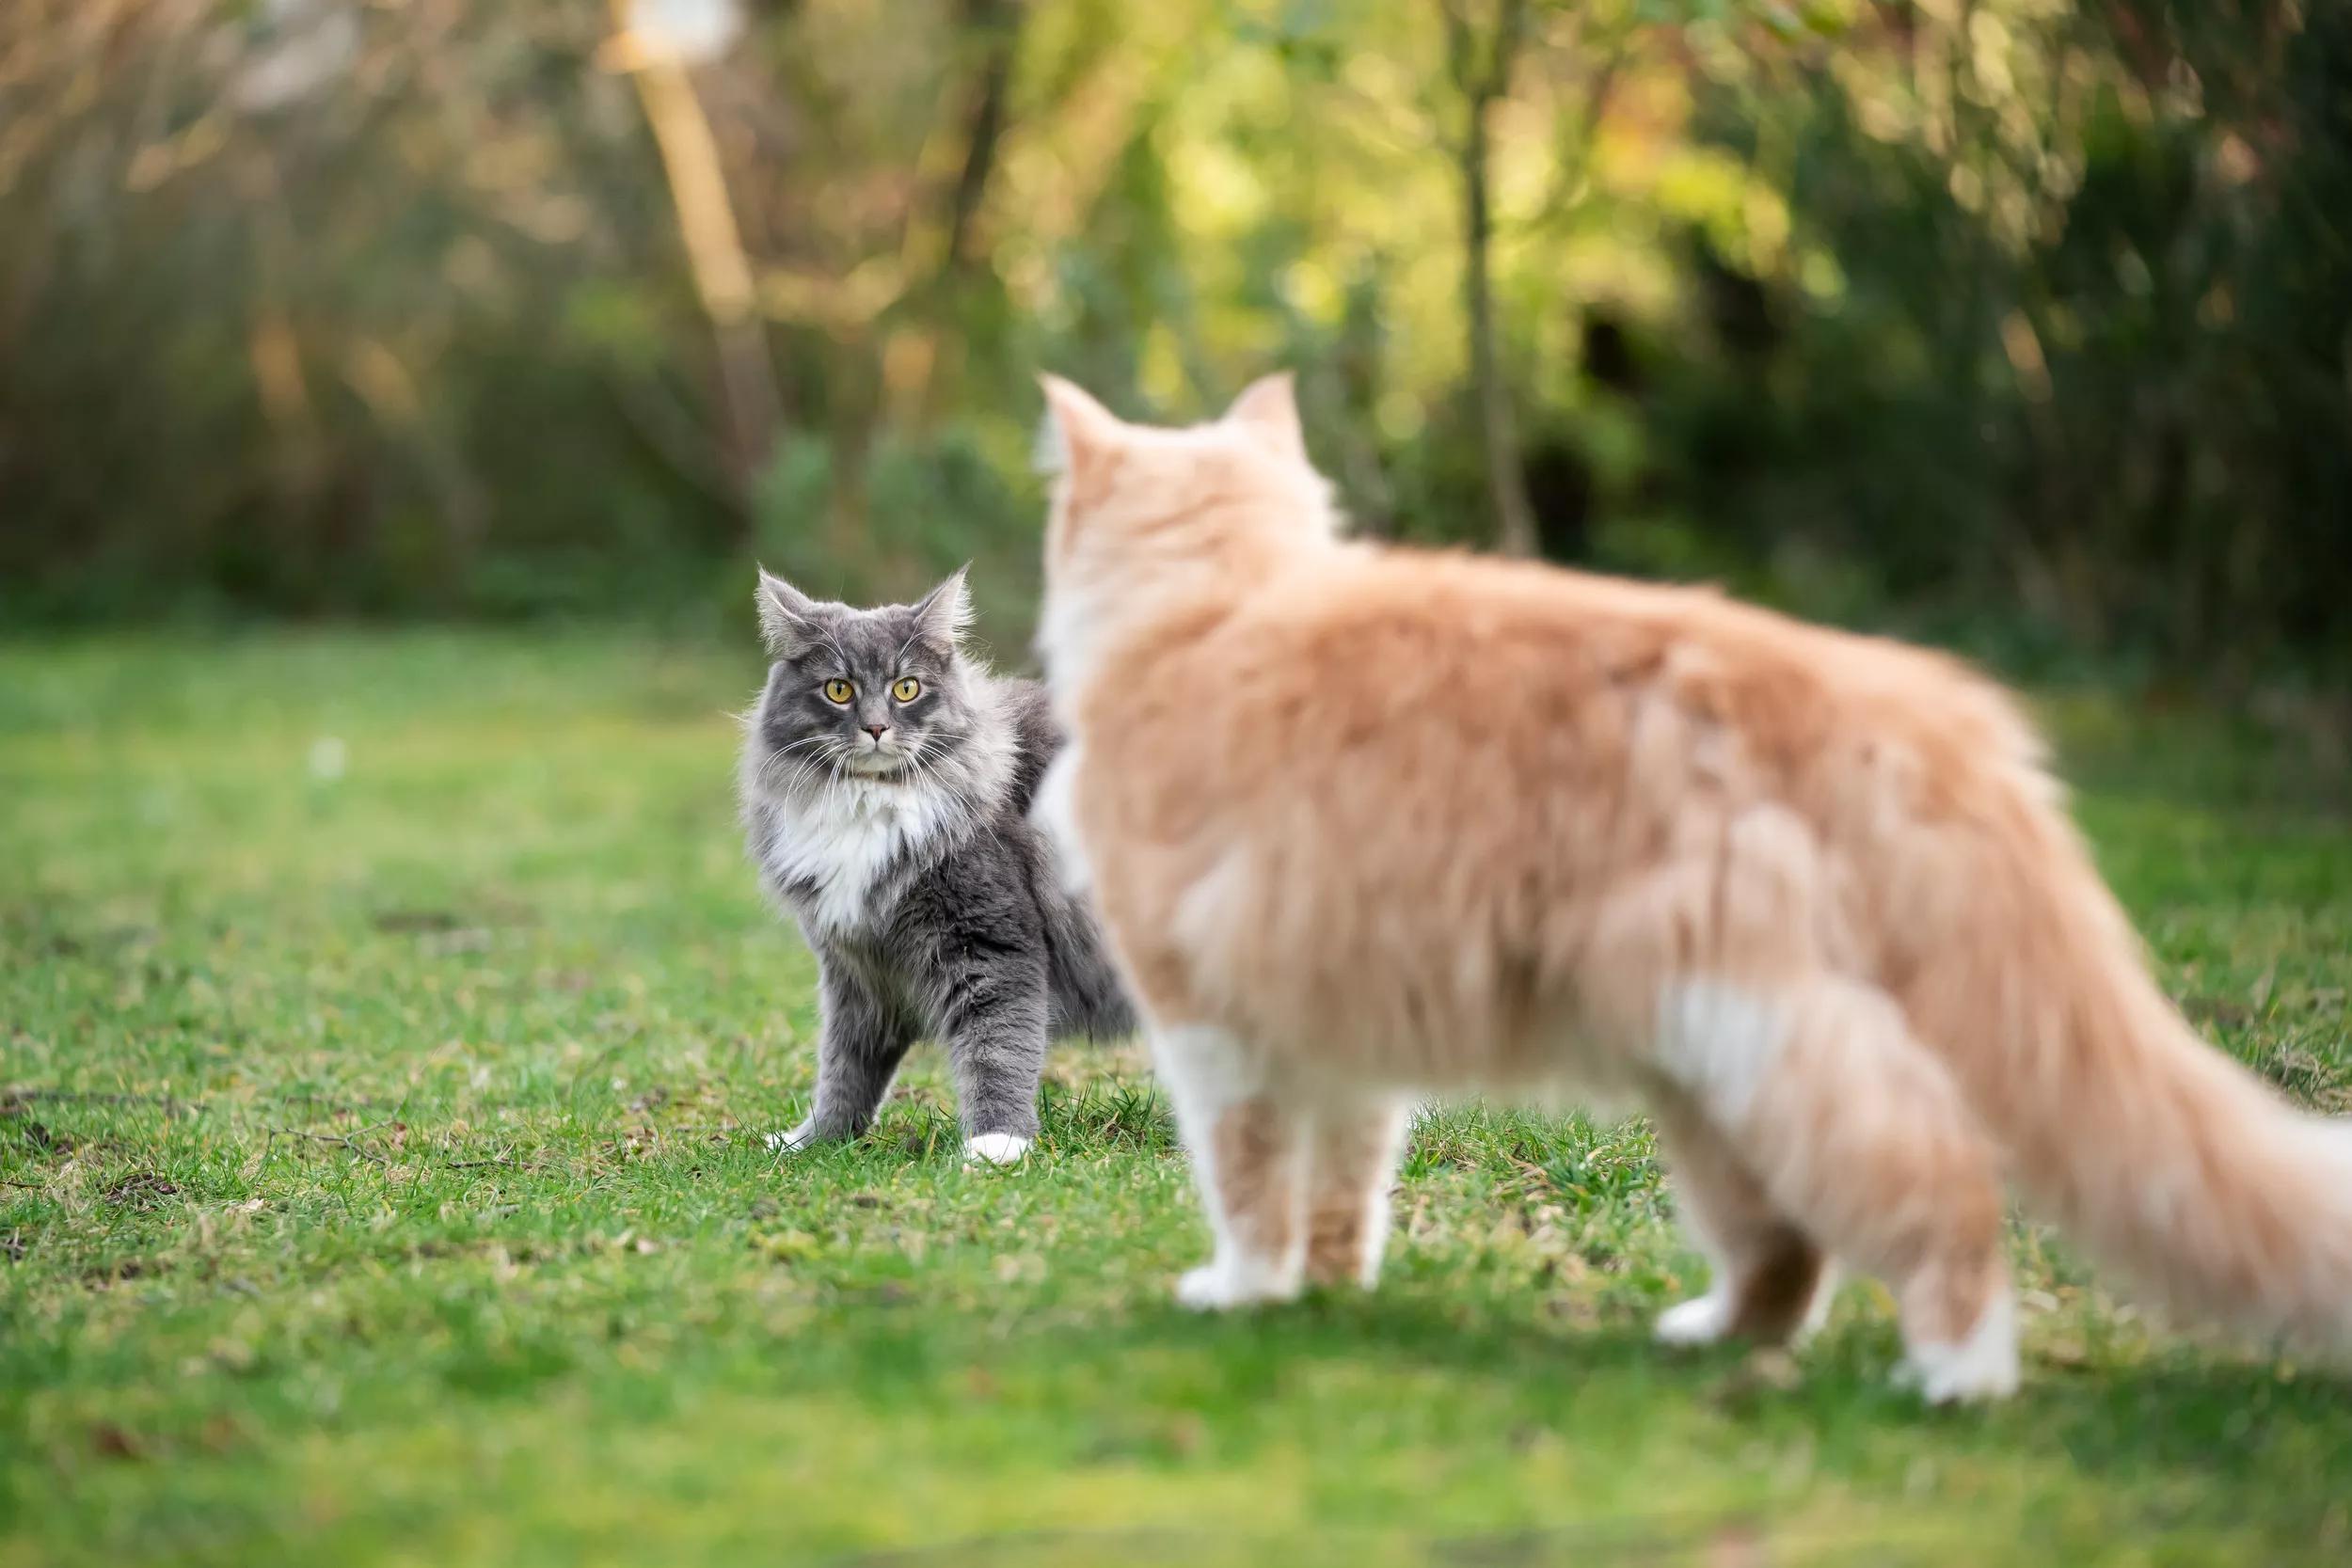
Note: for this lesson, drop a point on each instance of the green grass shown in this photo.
(379, 1181)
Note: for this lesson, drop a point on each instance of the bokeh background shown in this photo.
(2019, 325)
(394, 397)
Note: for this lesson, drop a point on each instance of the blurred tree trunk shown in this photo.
(1356, 360)
(1479, 82)
(714, 250)
(853, 412)
(990, 32)
(996, 26)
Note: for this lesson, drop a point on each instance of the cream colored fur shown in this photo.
(1368, 822)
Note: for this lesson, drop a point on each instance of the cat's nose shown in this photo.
(878, 730)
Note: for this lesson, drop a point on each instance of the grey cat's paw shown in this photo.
(1001, 1149)
(785, 1143)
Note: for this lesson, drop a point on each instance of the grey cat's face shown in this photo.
(873, 694)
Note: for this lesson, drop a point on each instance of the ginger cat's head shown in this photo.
(1147, 515)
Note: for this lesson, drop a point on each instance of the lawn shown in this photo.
(386, 1023)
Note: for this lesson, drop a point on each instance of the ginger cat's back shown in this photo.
(1442, 746)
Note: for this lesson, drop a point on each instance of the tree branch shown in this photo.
(1506, 477)
(714, 245)
(999, 22)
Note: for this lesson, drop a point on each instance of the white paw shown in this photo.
(995, 1148)
(1982, 1367)
(784, 1143)
(1221, 1286)
(1700, 1321)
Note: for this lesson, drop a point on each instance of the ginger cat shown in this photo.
(1367, 822)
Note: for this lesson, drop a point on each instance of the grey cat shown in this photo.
(885, 783)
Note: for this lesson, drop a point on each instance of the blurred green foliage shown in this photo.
(2020, 324)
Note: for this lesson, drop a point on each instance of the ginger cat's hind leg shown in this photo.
(1351, 1157)
(1856, 1132)
(1249, 1148)
(1771, 1282)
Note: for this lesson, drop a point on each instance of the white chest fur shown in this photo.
(835, 848)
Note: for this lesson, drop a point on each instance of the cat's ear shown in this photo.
(1267, 413)
(787, 616)
(1078, 432)
(942, 615)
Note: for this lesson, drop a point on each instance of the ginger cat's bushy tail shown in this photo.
(2158, 1153)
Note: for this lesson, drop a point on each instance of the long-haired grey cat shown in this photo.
(886, 779)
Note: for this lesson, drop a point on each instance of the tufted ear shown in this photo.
(787, 616)
(942, 613)
(1267, 412)
(1078, 432)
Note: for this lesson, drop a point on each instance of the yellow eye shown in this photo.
(907, 689)
(839, 692)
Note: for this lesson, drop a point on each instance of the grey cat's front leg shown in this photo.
(861, 1040)
(992, 1016)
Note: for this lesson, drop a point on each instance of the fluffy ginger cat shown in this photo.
(1367, 822)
